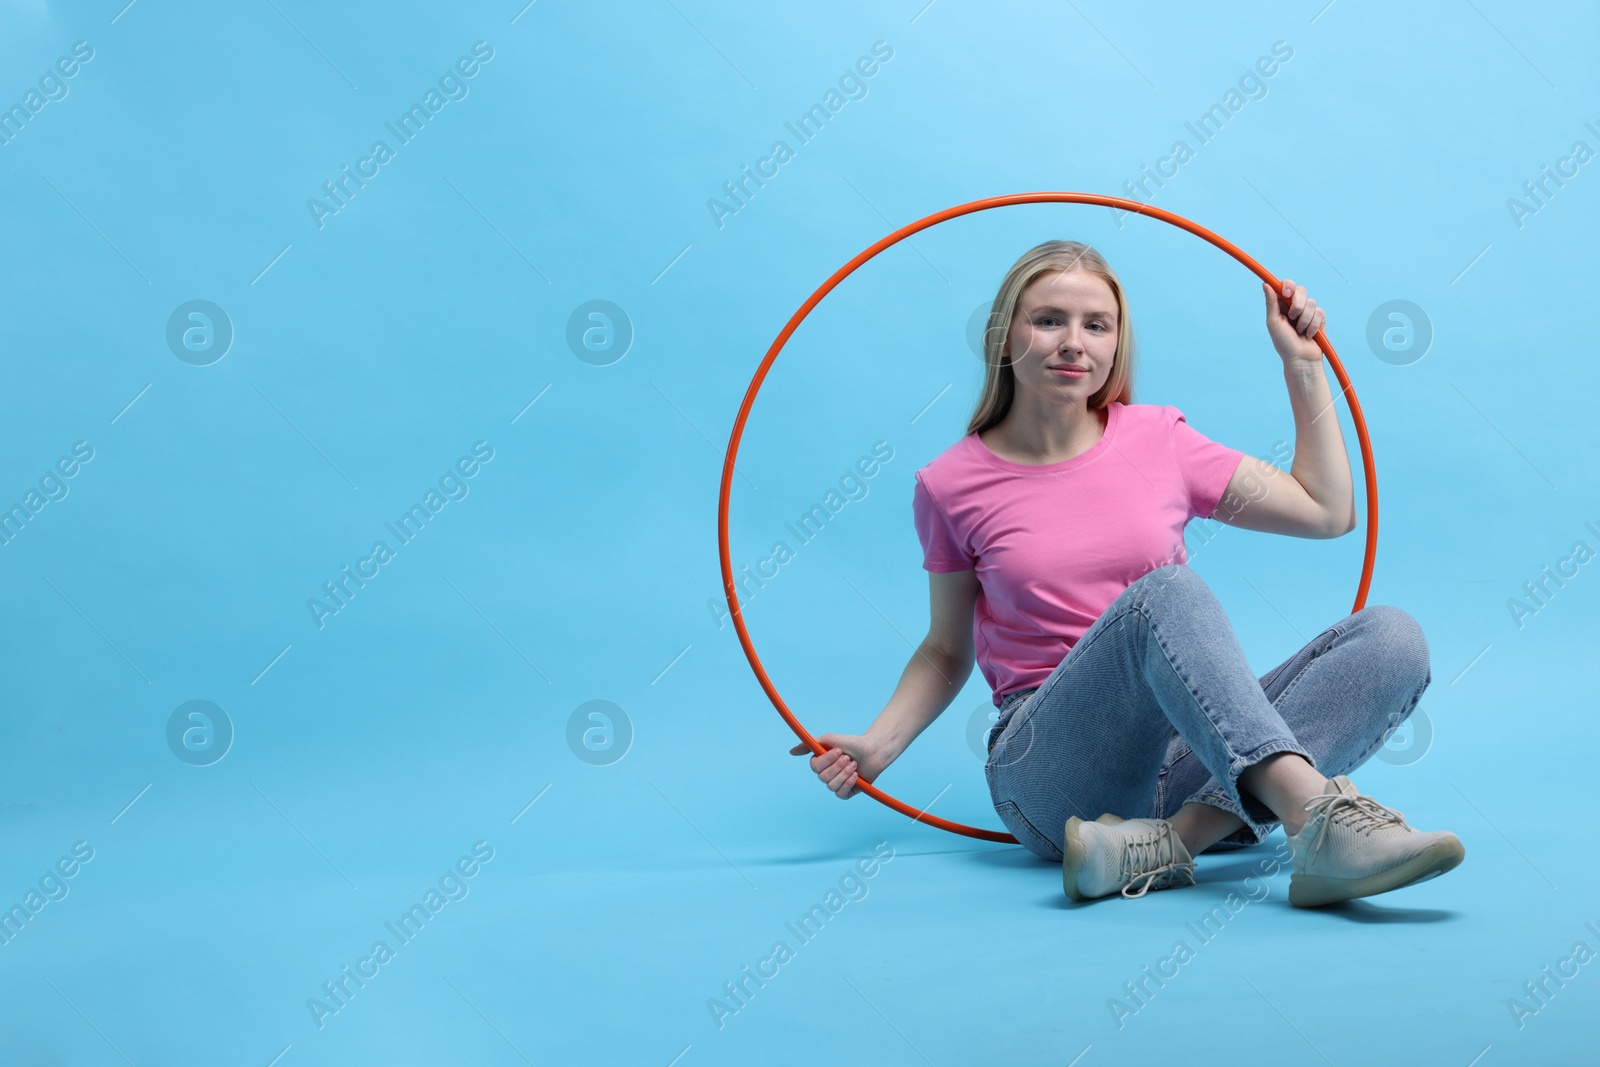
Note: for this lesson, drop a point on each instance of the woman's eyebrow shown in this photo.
(1061, 311)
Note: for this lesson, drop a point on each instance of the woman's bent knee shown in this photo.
(1400, 637)
(1176, 590)
(1175, 579)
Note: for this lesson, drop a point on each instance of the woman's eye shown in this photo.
(1050, 320)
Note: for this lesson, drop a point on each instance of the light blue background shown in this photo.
(432, 310)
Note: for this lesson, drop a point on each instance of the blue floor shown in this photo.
(370, 696)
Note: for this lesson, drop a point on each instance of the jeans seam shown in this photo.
(1271, 676)
(1216, 723)
(1001, 727)
(1237, 763)
(1027, 824)
(1271, 748)
(1410, 706)
(1299, 675)
(1228, 795)
(1057, 675)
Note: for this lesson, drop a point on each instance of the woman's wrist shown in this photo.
(883, 745)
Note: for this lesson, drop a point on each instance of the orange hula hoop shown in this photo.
(1132, 206)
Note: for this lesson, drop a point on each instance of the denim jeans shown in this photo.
(1156, 706)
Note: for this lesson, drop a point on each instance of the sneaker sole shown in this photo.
(1311, 891)
(1077, 855)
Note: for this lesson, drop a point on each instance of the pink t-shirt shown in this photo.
(1054, 544)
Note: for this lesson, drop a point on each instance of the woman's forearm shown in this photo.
(929, 683)
(1321, 463)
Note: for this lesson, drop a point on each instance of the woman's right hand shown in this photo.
(845, 759)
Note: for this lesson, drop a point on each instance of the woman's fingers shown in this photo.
(837, 769)
(822, 763)
(1283, 302)
(1311, 319)
(840, 773)
(1302, 311)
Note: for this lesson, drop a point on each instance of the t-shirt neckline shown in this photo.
(1113, 415)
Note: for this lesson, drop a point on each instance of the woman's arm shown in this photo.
(931, 680)
(938, 669)
(1317, 499)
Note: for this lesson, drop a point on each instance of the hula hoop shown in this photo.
(1133, 206)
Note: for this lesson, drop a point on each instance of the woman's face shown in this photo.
(1064, 320)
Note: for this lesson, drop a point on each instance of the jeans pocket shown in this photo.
(1026, 833)
(1009, 745)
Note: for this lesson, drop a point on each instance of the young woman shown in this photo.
(1132, 734)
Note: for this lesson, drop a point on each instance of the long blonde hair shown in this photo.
(999, 380)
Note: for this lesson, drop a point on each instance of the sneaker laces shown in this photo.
(1361, 813)
(1142, 858)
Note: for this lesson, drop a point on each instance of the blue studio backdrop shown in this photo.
(370, 690)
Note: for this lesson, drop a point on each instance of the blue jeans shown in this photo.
(1156, 707)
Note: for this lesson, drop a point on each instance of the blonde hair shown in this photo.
(999, 380)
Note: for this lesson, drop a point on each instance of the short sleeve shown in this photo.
(942, 550)
(1206, 465)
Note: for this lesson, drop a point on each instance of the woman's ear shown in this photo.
(1004, 357)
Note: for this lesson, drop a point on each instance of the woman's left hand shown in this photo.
(1293, 330)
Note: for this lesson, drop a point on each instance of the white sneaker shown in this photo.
(1112, 854)
(1352, 846)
